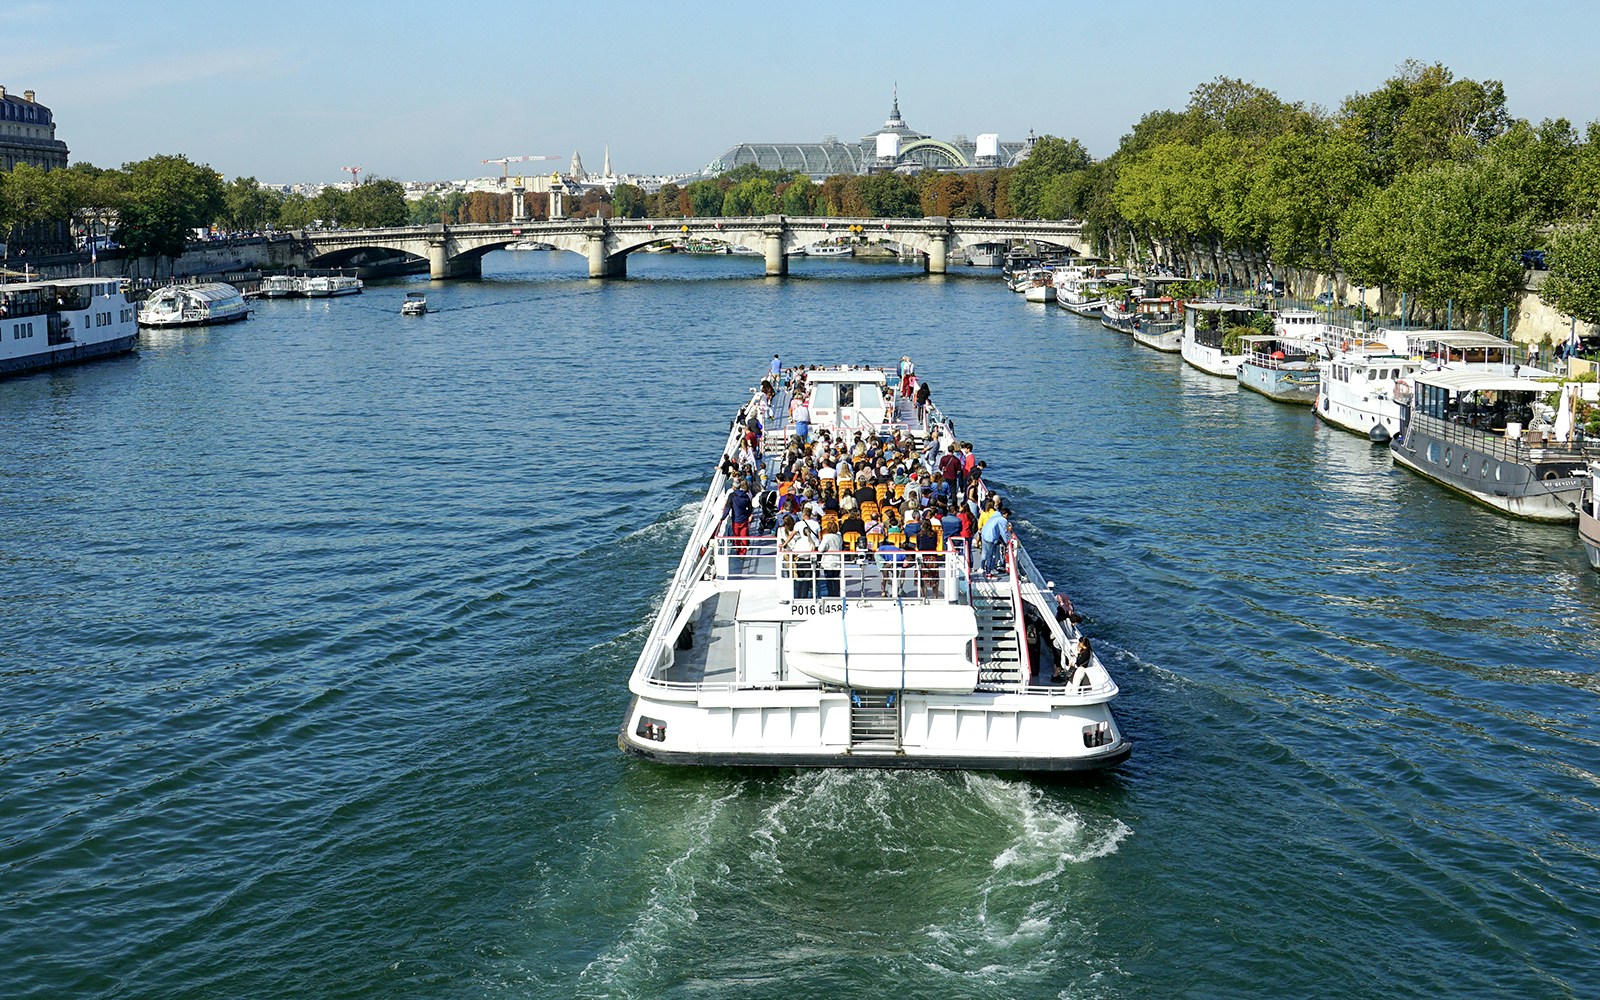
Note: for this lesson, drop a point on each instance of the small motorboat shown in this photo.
(416, 304)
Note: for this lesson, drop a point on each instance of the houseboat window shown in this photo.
(1433, 452)
(1447, 457)
(1372, 375)
(824, 397)
(869, 396)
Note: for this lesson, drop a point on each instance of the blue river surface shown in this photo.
(315, 633)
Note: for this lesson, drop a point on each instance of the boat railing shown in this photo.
(691, 565)
(1532, 447)
(861, 574)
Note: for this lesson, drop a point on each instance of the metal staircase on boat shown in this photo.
(874, 720)
(999, 665)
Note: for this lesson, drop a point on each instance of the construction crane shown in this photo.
(355, 174)
(506, 161)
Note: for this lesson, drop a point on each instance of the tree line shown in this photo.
(1425, 187)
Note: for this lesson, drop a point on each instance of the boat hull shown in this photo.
(163, 323)
(1210, 360)
(66, 355)
(1356, 417)
(1508, 487)
(1167, 341)
(1040, 293)
(1284, 385)
(817, 726)
(1589, 534)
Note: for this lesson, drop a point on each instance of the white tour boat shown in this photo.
(1205, 327)
(56, 322)
(282, 286)
(827, 250)
(416, 304)
(1589, 516)
(193, 305)
(910, 661)
(330, 285)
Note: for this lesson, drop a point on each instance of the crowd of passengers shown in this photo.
(884, 494)
(863, 492)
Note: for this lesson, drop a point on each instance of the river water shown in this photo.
(315, 632)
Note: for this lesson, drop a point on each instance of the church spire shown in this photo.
(605, 168)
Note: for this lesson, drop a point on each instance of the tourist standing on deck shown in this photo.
(777, 367)
(802, 419)
(996, 536)
(907, 375)
(739, 506)
(832, 565)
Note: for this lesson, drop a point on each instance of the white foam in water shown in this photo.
(670, 903)
(1048, 839)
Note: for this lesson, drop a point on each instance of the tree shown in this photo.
(627, 202)
(1573, 286)
(376, 203)
(295, 212)
(749, 197)
(667, 202)
(1446, 234)
(248, 206)
(1423, 115)
(889, 196)
(1049, 158)
(798, 197)
(425, 211)
(705, 199)
(168, 198)
(327, 207)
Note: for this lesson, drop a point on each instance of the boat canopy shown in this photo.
(1461, 380)
(1458, 339)
(213, 291)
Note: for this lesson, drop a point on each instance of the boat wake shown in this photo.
(950, 881)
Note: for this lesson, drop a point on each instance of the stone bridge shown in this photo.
(457, 251)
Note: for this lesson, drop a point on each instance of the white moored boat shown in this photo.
(909, 660)
(47, 323)
(1589, 516)
(282, 286)
(193, 305)
(1205, 328)
(330, 285)
(1039, 286)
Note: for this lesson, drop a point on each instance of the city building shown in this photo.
(28, 133)
(894, 146)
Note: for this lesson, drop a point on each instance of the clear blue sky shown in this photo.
(290, 91)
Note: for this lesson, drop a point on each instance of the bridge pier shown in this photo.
(939, 247)
(602, 264)
(777, 261)
(518, 204)
(441, 265)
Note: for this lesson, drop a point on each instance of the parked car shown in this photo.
(1325, 299)
(1533, 260)
(1269, 287)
